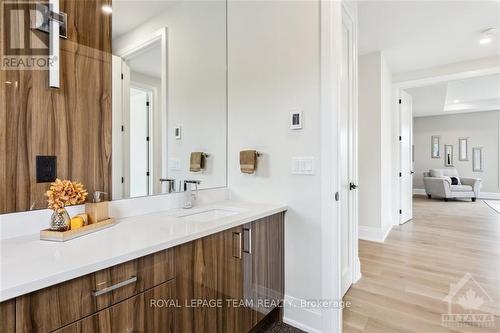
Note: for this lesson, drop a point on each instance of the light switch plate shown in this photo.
(177, 132)
(295, 120)
(303, 165)
(174, 164)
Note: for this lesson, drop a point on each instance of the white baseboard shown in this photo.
(308, 320)
(300, 326)
(373, 234)
(489, 195)
(482, 195)
(418, 191)
(357, 275)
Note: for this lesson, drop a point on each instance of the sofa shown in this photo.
(439, 183)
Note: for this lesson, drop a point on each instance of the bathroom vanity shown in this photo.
(215, 268)
(111, 127)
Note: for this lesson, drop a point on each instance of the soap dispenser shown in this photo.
(97, 210)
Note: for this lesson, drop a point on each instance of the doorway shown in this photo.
(139, 136)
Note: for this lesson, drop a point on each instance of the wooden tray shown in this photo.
(62, 236)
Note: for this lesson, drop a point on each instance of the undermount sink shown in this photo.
(210, 214)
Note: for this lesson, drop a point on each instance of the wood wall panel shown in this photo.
(73, 122)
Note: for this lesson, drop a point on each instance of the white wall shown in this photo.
(143, 79)
(377, 154)
(388, 154)
(475, 65)
(482, 129)
(196, 84)
(370, 139)
(274, 68)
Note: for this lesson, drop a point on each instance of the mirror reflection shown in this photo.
(448, 155)
(169, 96)
(435, 146)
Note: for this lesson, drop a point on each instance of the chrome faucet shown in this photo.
(190, 196)
(170, 184)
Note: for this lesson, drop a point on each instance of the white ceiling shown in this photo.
(468, 95)
(422, 34)
(147, 62)
(129, 14)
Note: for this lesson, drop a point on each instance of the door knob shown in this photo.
(412, 172)
(353, 186)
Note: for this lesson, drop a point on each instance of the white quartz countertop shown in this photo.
(29, 264)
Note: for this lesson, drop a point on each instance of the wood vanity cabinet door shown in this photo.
(209, 269)
(132, 315)
(263, 272)
(232, 275)
(8, 316)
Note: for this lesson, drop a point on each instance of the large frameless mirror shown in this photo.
(169, 96)
(141, 108)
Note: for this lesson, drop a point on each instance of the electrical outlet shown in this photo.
(46, 169)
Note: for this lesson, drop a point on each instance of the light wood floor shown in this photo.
(406, 278)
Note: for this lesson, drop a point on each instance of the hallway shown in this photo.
(406, 278)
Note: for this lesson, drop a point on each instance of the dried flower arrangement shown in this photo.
(64, 193)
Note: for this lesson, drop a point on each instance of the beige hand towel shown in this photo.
(248, 161)
(196, 161)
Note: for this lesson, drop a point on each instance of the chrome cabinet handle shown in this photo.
(237, 253)
(132, 279)
(249, 233)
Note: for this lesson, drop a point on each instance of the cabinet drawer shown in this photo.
(132, 315)
(53, 307)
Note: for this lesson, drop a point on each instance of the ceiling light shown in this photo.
(485, 40)
(106, 9)
(487, 36)
(456, 101)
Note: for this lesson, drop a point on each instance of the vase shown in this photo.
(60, 221)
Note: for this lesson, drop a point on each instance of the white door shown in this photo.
(348, 193)
(406, 141)
(139, 143)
